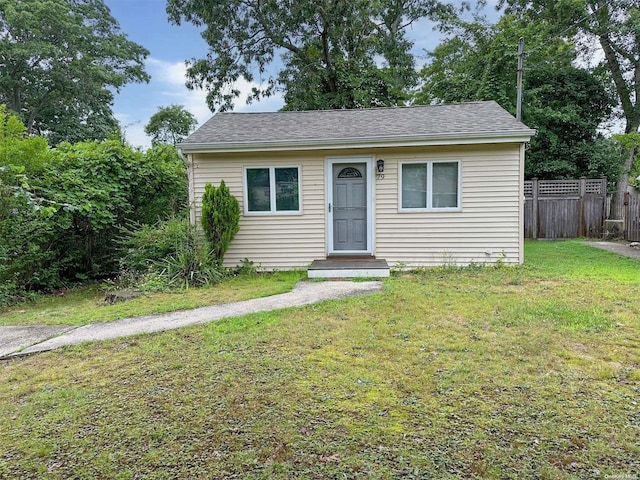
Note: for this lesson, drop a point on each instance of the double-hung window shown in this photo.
(429, 185)
(272, 190)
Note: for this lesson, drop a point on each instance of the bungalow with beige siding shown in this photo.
(414, 186)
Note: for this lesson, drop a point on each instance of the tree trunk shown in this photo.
(623, 180)
(30, 122)
(628, 103)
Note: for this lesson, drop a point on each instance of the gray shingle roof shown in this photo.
(362, 125)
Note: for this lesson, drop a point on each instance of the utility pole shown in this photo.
(520, 61)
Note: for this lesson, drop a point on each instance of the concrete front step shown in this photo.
(349, 268)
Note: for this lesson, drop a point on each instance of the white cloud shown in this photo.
(168, 87)
(173, 73)
(133, 129)
(134, 133)
(170, 78)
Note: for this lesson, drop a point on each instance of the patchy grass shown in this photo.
(527, 372)
(86, 305)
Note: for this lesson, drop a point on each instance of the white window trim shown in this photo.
(429, 207)
(272, 190)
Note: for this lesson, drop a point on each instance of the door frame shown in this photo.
(329, 163)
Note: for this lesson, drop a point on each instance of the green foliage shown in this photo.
(10, 125)
(28, 256)
(144, 246)
(169, 125)
(168, 254)
(628, 140)
(62, 209)
(246, 267)
(332, 51)
(606, 30)
(191, 266)
(478, 60)
(220, 218)
(17, 148)
(61, 61)
(108, 184)
(165, 192)
(564, 103)
(26, 235)
(631, 143)
(609, 27)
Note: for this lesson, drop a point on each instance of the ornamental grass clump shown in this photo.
(168, 254)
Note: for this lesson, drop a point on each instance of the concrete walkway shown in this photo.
(16, 341)
(621, 248)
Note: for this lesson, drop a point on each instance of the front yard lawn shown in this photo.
(488, 373)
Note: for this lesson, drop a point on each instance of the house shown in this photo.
(415, 186)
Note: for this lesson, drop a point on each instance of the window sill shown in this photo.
(273, 214)
(429, 210)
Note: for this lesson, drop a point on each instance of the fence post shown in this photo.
(581, 222)
(625, 215)
(534, 207)
(604, 191)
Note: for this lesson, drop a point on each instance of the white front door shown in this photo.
(349, 207)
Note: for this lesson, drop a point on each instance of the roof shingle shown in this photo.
(475, 118)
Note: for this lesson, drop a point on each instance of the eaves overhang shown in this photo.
(516, 136)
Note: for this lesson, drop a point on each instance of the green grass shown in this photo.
(526, 372)
(86, 305)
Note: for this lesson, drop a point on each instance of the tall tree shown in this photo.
(478, 60)
(564, 103)
(613, 26)
(567, 105)
(169, 125)
(335, 53)
(59, 61)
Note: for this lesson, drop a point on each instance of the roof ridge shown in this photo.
(366, 109)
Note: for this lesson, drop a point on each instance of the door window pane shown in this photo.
(258, 190)
(287, 198)
(445, 185)
(414, 185)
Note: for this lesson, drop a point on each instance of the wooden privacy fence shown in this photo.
(626, 208)
(564, 208)
(632, 217)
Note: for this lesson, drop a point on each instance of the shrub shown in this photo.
(170, 253)
(62, 209)
(143, 246)
(108, 184)
(220, 218)
(28, 257)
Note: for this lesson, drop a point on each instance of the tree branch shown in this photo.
(276, 39)
(614, 67)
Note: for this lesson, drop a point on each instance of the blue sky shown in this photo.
(145, 22)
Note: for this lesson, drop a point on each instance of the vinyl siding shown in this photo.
(270, 241)
(489, 219)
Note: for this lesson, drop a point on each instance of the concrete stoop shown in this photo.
(349, 268)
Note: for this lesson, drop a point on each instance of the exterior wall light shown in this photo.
(380, 166)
